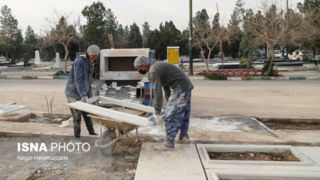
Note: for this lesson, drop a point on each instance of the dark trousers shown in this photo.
(177, 116)
(76, 115)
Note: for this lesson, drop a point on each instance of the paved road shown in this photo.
(294, 99)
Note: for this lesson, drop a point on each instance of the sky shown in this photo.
(36, 13)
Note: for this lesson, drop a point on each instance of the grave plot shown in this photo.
(259, 162)
(253, 156)
(291, 124)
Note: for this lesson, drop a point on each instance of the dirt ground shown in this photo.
(292, 126)
(282, 99)
(65, 164)
(253, 156)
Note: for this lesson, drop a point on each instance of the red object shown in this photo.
(147, 96)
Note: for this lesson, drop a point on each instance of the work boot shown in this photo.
(184, 140)
(93, 133)
(162, 147)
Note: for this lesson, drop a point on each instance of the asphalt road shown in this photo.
(293, 99)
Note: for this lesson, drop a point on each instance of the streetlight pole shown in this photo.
(286, 53)
(190, 39)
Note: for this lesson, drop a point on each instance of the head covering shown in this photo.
(141, 61)
(93, 50)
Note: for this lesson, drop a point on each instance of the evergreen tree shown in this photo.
(10, 36)
(95, 29)
(30, 43)
(234, 29)
(134, 38)
(169, 36)
(154, 42)
(145, 33)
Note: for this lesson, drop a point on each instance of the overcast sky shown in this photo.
(35, 12)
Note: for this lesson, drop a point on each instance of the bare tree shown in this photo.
(268, 28)
(204, 36)
(63, 33)
(222, 35)
(308, 26)
(43, 42)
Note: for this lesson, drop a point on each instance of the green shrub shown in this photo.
(215, 76)
(59, 73)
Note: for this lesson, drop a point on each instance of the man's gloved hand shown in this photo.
(84, 99)
(158, 119)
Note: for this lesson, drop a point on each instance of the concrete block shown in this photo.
(311, 152)
(60, 77)
(13, 77)
(256, 78)
(3, 76)
(256, 174)
(306, 168)
(182, 163)
(45, 77)
(313, 78)
(283, 78)
(279, 78)
(261, 78)
(234, 78)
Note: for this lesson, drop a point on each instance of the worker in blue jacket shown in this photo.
(79, 87)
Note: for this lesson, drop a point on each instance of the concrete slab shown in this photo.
(42, 129)
(307, 136)
(305, 168)
(182, 163)
(213, 129)
(311, 152)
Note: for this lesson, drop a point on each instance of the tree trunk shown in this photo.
(221, 52)
(208, 59)
(65, 57)
(313, 52)
(270, 49)
(204, 59)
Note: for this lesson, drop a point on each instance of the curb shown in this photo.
(3, 76)
(297, 78)
(234, 78)
(313, 78)
(32, 77)
(290, 78)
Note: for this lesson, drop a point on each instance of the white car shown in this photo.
(277, 54)
(300, 54)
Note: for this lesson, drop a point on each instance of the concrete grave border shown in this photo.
(306, 168)
(253, 174)
(204, 148)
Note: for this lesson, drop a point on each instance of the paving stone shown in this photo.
(182, 163)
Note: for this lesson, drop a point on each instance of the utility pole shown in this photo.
(190, 39)
(286, 51)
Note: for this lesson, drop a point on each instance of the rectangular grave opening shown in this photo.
(120, 63)
(256, 162)
(291, 124)
(253, 156)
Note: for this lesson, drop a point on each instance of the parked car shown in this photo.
(300, 55)
(277, 53)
